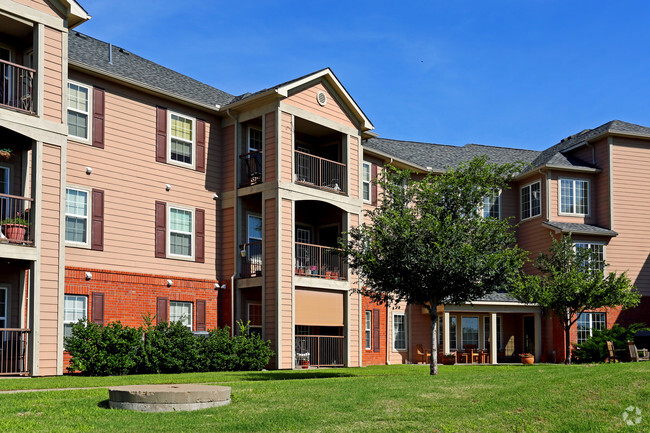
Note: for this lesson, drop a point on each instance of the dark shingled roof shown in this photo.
(94, 53)
(497, 297)
(583, 229)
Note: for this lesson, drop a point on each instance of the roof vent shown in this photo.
(322, 98)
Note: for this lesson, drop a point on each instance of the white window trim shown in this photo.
(369, 182)
(88, 218)
(455, 340)
(191, 304)
(248, 227)
(8, 168)
(499, 331)
(68, 322)
(169, 140)
(87, 140)
(482, 209)
(559, 197)
(406, 336)
(478, 336)
(248, 138)
(578, 241)
(541, 201)
(368, 330)
(171, 206)
(591, 324)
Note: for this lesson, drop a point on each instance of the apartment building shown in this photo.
(132, 191)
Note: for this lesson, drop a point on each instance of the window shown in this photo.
(452, 332)
(470, 331)
(574, 196)
(441, 332)
(254, 139)
(181, 232)
(588, 323)
(368, 328)
(366, 181)
(597, 260)
(255, 318)
(531, 200)
(492, 206)
(75, 307)
(181, 312)
(78, 111)
(399, 331)
(3, 307)
(76, 216)
(486, 332)
(181, 139)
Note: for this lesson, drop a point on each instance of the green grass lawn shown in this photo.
(580, 398)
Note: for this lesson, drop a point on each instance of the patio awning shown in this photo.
(319, 308)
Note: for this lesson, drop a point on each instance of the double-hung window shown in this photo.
(399, 331)
(181, 312)
(531, 200)
(487, 332)
(368, 329)
(255, 318)
(470, 331)
(181, 232)
(492, 206)
(78, 111)
(597, 260)
(588, 323)
(181, 139)
(75, 307)
(254, 139)
(452, 332)
(366, 181)
(574, 196)
(77, 205)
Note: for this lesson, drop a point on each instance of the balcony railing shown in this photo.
(251, 168)
(321, 262)
(319, 351)
(16, 220)
(17, 87)
(251, 260)
(321, 173)
(13, 351)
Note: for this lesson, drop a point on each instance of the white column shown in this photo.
(538, 337)
(493, 338)
(445, 344)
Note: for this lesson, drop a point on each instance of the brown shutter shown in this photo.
(161, 134)
(161, 310)
(161, 229)
(199, 255)
(98, 117)
(373, 187)
(200, 315)
(98, 308)
(375, 330)
(97, 223)
(200, 146)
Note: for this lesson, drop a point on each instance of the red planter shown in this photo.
(527, 359)
(14, 232)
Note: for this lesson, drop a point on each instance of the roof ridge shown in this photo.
(417, 142)
(502, 147)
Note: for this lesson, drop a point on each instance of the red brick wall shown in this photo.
(371, 357)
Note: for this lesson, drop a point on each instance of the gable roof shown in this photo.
(90, 53)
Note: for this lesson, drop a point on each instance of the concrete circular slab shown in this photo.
(168, 398)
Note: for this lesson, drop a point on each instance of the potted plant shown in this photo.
(14, 228)
(5, 154)
(527, 358)
(314, 270)
(449, 359)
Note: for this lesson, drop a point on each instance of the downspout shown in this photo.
(547, 182)
(387, 337)
(232, 302)
(234, 207)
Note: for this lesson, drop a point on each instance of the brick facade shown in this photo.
(372, 356)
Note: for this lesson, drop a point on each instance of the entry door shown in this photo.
(529, 334)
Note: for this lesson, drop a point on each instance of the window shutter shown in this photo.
(373, 186)
(98, 308)
(97, 223)
(199, 254)
(161, 134)
(98, 117)
(200, 315)
(161, 229)
(200, 145)
(161, 310)
(375, 330)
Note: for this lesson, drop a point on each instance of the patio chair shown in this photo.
(637, 355)
(611, 351)
(421, 354)
(470, 354)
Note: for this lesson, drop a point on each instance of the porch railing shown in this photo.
(319, 350)
(17, 87)
(319, 261)
(14, 351)
(321, 173)
(251, 168)
(16, 219)
(251, 260)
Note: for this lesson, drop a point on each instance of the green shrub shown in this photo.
(595, 348)
(169, 348)
(216, 350)
(250, 352)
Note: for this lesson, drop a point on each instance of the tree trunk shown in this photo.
(433, 367)
(567, 341)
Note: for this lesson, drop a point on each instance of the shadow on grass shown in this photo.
(103, 404)
(294, 375)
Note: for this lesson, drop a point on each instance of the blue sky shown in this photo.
(503, 73)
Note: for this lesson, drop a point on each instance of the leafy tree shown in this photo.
(427, 243)
(571, 281)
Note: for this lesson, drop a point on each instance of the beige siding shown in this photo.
(354, 167)
(286, 273)
(307, 100)
(50, 241)
(228, 241)
(42, 6)
(270, 272)
(555, 198)
(269, 146)
(601, 205)
(286, 147)
(53, 75)
(354, 301)
(229, 159)
(531, 235)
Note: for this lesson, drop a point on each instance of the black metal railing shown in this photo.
(321, 173)
(251, 168)
(17, 87)
(319, 351)
(14, 343)
(320, 261)
(16, 220)
(251, 259)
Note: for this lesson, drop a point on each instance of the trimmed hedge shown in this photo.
(115, 349)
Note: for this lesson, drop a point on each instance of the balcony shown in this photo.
(251, 168)
(14, 352)
(16, 220)
(251, 260)
(319, 351)
(320, 262)
(320, 173)
(17, 87)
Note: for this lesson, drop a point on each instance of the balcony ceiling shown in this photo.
(13, 28)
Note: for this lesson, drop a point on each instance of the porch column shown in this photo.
(445, 326)
(493, 338)
(538, 336)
